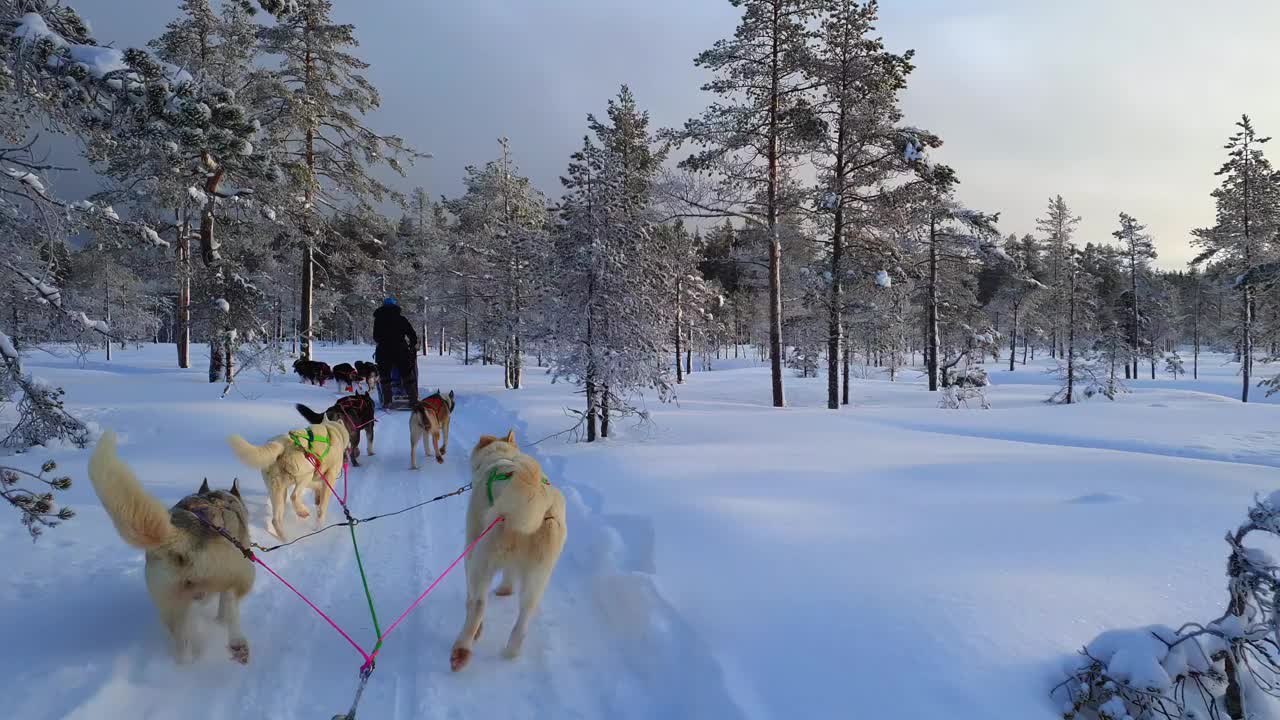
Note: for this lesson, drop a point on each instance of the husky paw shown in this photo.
(459, 658)
(504, 590)
(239, 651)
(440, 459)
(302, 512)
(510, 653)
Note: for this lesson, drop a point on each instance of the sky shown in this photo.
(1117, 105)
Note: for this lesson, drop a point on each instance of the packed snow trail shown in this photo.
(604, 643)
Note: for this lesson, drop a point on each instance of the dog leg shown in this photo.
(355, 449)
(532, 585)
(445, 449)
(478, 581)
(229, 615)
(506, 587)
(277, 509)
(174, 616)
(296, 498)
(435, 444)
(369, 439)
(321, 496)
(413, 446)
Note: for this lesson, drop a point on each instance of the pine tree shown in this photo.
(1138, 251)
(327, 149)
(499, 251)
(612, 267)
(1248, 211)
(753, 138)
(862, 148)
(1057, 226)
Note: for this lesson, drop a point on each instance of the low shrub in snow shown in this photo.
(1224, 668)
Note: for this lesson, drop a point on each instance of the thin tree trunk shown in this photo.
(932, 312)
(679, 313)
(1013, 338)
(775, 242)
(1195, 336)
(1071, 342)
(183, 311)
(1246, 341)
(688, 350)
(106, 288)
(604, 412)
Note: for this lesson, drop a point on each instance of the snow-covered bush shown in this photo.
(1223, 668)
(965, 386)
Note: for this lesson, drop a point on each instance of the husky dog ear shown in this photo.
(235, 487)
(486, 441)
(511, 437)
(204, 487)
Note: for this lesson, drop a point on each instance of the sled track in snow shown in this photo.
(604, 643)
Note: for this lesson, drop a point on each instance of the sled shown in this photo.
(400, 397)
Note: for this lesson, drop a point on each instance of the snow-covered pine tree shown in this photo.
(611, 268)
(753, 138)
(1057, 228)
(1019, 289)
(328, 151)
(1138, 251)
(1242, 240)
(499, 252)
(953, 242)
(862, 148)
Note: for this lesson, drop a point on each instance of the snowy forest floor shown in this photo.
(728, 560)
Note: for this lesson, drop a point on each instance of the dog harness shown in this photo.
(495, 476)
(435, 404)
(312, 439)
(354, 404)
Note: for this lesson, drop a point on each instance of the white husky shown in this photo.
(524, 547)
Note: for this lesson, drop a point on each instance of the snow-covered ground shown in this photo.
(728, 560)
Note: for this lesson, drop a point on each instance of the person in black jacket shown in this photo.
(397, 347)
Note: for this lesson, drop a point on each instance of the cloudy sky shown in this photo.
(1114, 104)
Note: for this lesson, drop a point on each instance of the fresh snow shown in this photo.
(883, 279)
(726, 560)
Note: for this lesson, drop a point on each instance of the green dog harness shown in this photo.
(495, 476)
(296, 436)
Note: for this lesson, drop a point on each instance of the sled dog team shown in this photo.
(188, 560)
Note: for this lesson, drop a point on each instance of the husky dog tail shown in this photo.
(525, 500)
(311, 416)
(142, 520)
(255, 456)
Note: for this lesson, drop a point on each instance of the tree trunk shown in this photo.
(1133, 288)
(106, 288)
(679, 314)
(604, 412)
(1195, 336)
(932, 341)
(688, 350)
(183, 311)
(591, 410)
(1071, 342)
(844, 390)
(775, 243)
(1013, 338)
(1246, 340)
(308, 296)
